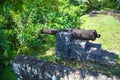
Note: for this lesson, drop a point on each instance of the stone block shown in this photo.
(93, 52)
(108, 58)
(77, 49)
(63, 40)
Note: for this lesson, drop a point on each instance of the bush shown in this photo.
(20, 25)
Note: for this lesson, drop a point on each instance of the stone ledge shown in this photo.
(30, 68)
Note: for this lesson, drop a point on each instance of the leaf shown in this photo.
(5, 54)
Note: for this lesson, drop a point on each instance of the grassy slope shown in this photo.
(108, 27)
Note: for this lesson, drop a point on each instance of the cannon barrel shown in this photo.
(52, 32)
(76, 33)
(85, 34)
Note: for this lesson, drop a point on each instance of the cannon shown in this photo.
(74, 44)
(76, 33)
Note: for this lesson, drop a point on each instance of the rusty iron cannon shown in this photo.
(76, 33)
(74, 44)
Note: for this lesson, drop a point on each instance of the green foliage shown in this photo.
(8, 74)
(102, 4)
(21, 21)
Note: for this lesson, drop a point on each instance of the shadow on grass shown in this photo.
(109, 64)
(47, 55)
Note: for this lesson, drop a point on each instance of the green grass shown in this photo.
(108, 27)
(48, 55)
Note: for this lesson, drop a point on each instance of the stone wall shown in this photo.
(30, 68)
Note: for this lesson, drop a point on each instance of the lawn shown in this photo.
(108, 27)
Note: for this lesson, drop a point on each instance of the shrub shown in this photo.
(20, 25)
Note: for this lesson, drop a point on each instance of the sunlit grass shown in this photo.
(48, 55)
(108, 27)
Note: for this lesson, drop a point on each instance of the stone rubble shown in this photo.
(30, 68)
